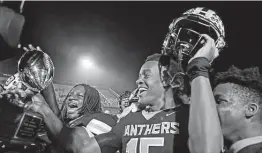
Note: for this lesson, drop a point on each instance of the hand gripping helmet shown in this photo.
(182, 40)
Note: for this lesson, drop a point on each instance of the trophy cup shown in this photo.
(35, 73)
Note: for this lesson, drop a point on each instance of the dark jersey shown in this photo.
(143, 132)
(96, 123)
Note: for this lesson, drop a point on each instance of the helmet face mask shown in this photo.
(182, 40)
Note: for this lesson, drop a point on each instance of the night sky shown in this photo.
(120, 35)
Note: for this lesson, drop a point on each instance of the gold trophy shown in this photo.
(35, 73)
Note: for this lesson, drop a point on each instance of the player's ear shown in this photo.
(251, 110)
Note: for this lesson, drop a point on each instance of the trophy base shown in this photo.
(18, 126)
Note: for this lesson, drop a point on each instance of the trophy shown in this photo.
(35, 73)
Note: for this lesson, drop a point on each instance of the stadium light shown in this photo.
(86, 62)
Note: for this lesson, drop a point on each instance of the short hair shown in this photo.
(249, 79)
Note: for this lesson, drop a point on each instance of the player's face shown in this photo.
(74, 102)
(149, 84)
(230, 108)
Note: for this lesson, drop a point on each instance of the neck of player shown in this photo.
(248, 131)
(165, 102)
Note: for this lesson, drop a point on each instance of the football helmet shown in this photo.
(182, 40)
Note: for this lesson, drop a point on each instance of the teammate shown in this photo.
(237, 98)
(238, 95)
(82, 109)
(81, 100)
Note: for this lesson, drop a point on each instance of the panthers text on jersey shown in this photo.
(164, 131)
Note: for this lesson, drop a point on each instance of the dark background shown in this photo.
(120, 35)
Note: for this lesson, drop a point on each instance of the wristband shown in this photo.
(198, 67)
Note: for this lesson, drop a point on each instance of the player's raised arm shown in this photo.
(50, 97)
(205, 134)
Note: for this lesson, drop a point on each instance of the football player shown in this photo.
(83, 109)
(82, 99)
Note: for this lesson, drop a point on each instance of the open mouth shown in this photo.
(141, 90)
(72, 106)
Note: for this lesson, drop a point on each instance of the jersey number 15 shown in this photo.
(144, 144)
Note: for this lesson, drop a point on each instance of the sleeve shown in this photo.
(98, 127)
(98, 123)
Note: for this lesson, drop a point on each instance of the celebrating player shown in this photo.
(238, 98)
(81, 100)
(82, 108)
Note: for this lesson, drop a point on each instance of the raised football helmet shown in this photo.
(182, 40)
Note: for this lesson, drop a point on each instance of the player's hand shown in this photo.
(32, 48)
(208, 50)
(37, 105)
(15, 96)
(16, 93)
